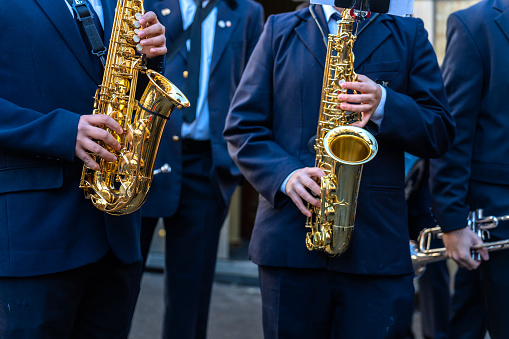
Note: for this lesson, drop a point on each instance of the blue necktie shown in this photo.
(336, 17)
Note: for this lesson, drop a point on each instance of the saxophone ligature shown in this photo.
(121, 187)
(341, 149)
(423, 253)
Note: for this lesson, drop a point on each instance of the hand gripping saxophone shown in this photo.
(341, 150)
(121, 187)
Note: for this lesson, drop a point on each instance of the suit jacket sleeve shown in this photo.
(463, 76)
(25, 131)
(419, 119)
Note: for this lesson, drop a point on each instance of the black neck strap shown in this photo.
(86, 19)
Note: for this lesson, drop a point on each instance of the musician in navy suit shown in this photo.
(67, 269)
(366, 292)
(194, 197)
(474, 173)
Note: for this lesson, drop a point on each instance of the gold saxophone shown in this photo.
(121, 187)
(341, 150)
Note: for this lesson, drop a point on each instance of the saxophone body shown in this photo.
(341, 149)
(121, 187)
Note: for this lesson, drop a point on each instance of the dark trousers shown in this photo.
(481, 299)
(468, 309)
(495, 288)
(91, 302)
(192, 236)
(434, 301)
(320, 304)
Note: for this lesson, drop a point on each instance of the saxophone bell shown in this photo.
(350, 147)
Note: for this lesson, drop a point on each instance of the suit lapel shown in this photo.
(371, 37)
(311, 36)
(58, 13)
(108, 13)
(168, 12)
(502, 19)
(223, 33)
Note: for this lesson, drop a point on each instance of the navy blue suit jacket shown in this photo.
(475, 172)
(275, 113)
(49, 79)
(232, 47)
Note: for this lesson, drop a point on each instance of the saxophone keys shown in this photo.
(139, 47)
(137, 16)
(133, 163)
(138, 134)
(136, 38)
(147, 134)
(137, 24)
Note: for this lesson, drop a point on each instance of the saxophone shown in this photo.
(341, 150)
(121, 187)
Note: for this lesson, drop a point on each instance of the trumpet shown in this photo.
(422, 253)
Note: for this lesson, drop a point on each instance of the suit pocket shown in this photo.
(25, 178)
(490, 173)
(386, 188)
(381, 67)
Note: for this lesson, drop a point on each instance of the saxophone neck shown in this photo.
(345, 24)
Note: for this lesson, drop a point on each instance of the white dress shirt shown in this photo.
(199, 128)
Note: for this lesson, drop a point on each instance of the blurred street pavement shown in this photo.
(235, 310)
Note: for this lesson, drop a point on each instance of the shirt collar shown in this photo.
(328, 11)
(192, 3)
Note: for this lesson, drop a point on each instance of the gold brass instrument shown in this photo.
(341, 150)
(422, 253)
(121, 187)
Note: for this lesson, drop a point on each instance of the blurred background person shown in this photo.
(474, 173)
(206, 63)
(433, 299)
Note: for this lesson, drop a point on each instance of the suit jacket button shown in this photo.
(185, 74)
(175, 138)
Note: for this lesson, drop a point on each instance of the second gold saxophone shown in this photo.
(341, 150)
(121, 187)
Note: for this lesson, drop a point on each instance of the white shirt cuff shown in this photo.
(283, 185)
(379, 112)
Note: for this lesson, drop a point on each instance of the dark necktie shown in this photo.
(193, 68)
(336, 17)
